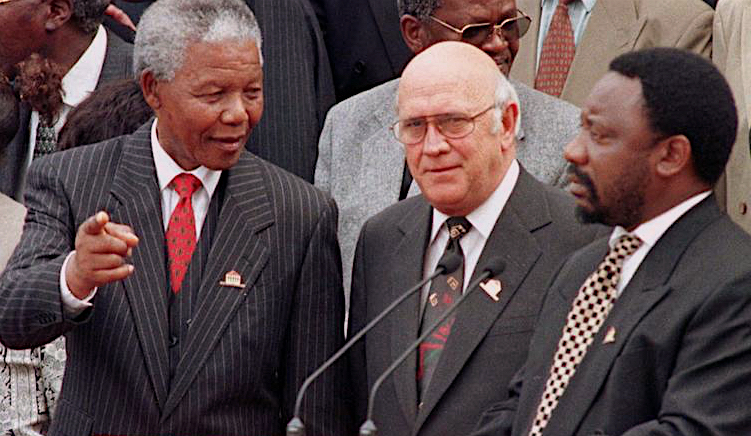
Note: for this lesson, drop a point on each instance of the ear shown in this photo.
(149, 88)
(414, 33)
(509, 118)
(59, 13)
(674, 156)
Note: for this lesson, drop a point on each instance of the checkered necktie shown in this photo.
(46, 140)
(444, 290)
(181, 230)
(557, 52)
(591, 306)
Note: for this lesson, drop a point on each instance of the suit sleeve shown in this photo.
(358, 312)
(31, 312)
(707, 392)
(316, 332)
(698, 35)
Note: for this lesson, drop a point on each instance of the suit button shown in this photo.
(743, 208)
(172, 341)
(419, 406)
(359, 67)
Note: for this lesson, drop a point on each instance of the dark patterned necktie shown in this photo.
(557, 52)
(589, 310)
(46, 140)
(181, 230)
(444, 290)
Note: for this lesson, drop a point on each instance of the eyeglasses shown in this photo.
(511, 29)
(454, 126)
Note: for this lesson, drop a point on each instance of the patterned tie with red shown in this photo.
(181, 231)
(557, 52)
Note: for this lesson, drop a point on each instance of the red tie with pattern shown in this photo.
(181, 231)
(557, 52)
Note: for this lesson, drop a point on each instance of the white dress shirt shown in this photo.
(579, 12)
(650, 232)
(166, 170)
(483, 221)
(77, 84)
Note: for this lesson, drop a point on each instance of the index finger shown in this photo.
(122, 232)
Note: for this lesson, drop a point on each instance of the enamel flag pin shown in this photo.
(233, 280)
(609, 336)
(492, 288)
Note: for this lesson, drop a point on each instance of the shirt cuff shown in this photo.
(72, 305)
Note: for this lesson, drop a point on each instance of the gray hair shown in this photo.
(89, 14)
(168, 27)
(420, 9)
(505, 94)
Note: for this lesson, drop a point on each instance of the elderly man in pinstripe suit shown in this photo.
(196, 284)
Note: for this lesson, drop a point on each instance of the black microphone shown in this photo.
(446, 265)
(495, 266)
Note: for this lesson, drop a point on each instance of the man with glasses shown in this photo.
(458, 119)
(361, 164)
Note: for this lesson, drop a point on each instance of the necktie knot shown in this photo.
(185, 184)
(565, 3)
(626, 246)
(458, 226)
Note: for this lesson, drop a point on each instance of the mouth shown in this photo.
(230, 143)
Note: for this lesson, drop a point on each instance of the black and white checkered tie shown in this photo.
(591, 306)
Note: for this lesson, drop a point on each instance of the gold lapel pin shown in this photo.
(609, 336)
(492, 287)
(233, 280)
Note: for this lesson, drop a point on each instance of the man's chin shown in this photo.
(587, 216)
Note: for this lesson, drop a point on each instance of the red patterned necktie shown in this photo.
(181, 231)
(557, 52)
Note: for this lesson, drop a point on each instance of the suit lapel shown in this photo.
(406, 270)
(523, 68)
(117, 60)
(512, 238)
(135, 187)
(387, 18)
(236, 246)
(647, 288)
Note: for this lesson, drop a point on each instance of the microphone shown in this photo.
(446, 265)
(496, 265)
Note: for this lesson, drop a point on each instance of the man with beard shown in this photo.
(655, 341)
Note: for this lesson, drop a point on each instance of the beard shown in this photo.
(623, 202)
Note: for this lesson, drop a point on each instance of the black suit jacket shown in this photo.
(364, 43)
(536, 230)
(118, 64)
(679, 364)
(246, 351)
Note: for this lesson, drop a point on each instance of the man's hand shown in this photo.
(101, 251)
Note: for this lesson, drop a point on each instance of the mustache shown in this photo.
(582, 178)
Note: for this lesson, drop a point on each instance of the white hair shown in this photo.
(505, 94)
(168, 27)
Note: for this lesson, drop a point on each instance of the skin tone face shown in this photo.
(455, 175)
(614, 154)
(206, 113)
(22, 31)
(459, 13)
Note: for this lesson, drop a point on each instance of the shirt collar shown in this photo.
(651, 231)
(167, 168)
(83, 77)
(588, 4)
(484, 217)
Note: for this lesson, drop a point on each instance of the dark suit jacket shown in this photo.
(680, 361)
(118, 64)
(364, 43)
(536, 230)
(246, 351)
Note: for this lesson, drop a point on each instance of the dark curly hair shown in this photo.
(39, 82)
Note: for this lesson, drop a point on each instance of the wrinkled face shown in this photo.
(613, 154)
(455, 175)
(205, 114)
(459, 13)
(21, 32)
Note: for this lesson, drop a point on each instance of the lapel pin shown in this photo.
(233, 280)
(433, 299)
(609, 336)
(492, 288)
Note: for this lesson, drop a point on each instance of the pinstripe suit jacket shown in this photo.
(118, 64)
(247, 350)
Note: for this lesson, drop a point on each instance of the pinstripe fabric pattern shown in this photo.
(247, 350)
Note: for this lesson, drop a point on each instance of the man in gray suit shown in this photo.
(362, 165)
(69, 34)
(196, 284)
(457, 119)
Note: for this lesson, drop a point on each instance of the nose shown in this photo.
(575, 151)
(434, 142)
(235, 112)
(494, 43)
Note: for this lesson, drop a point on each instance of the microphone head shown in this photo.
(449, 262)
(495, 266)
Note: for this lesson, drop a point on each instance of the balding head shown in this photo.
(458, 116)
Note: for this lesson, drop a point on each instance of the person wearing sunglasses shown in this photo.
(362, 165)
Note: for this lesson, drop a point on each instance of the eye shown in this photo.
(252, 94)
(453, 123)
(477, 34)
(413, 124)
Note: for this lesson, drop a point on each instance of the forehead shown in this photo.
(219, 58)
(618, 101)
(475, 11)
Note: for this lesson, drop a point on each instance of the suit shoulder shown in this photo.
(396, 212)
(544, 105)
(364, 103)
(676, 12)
